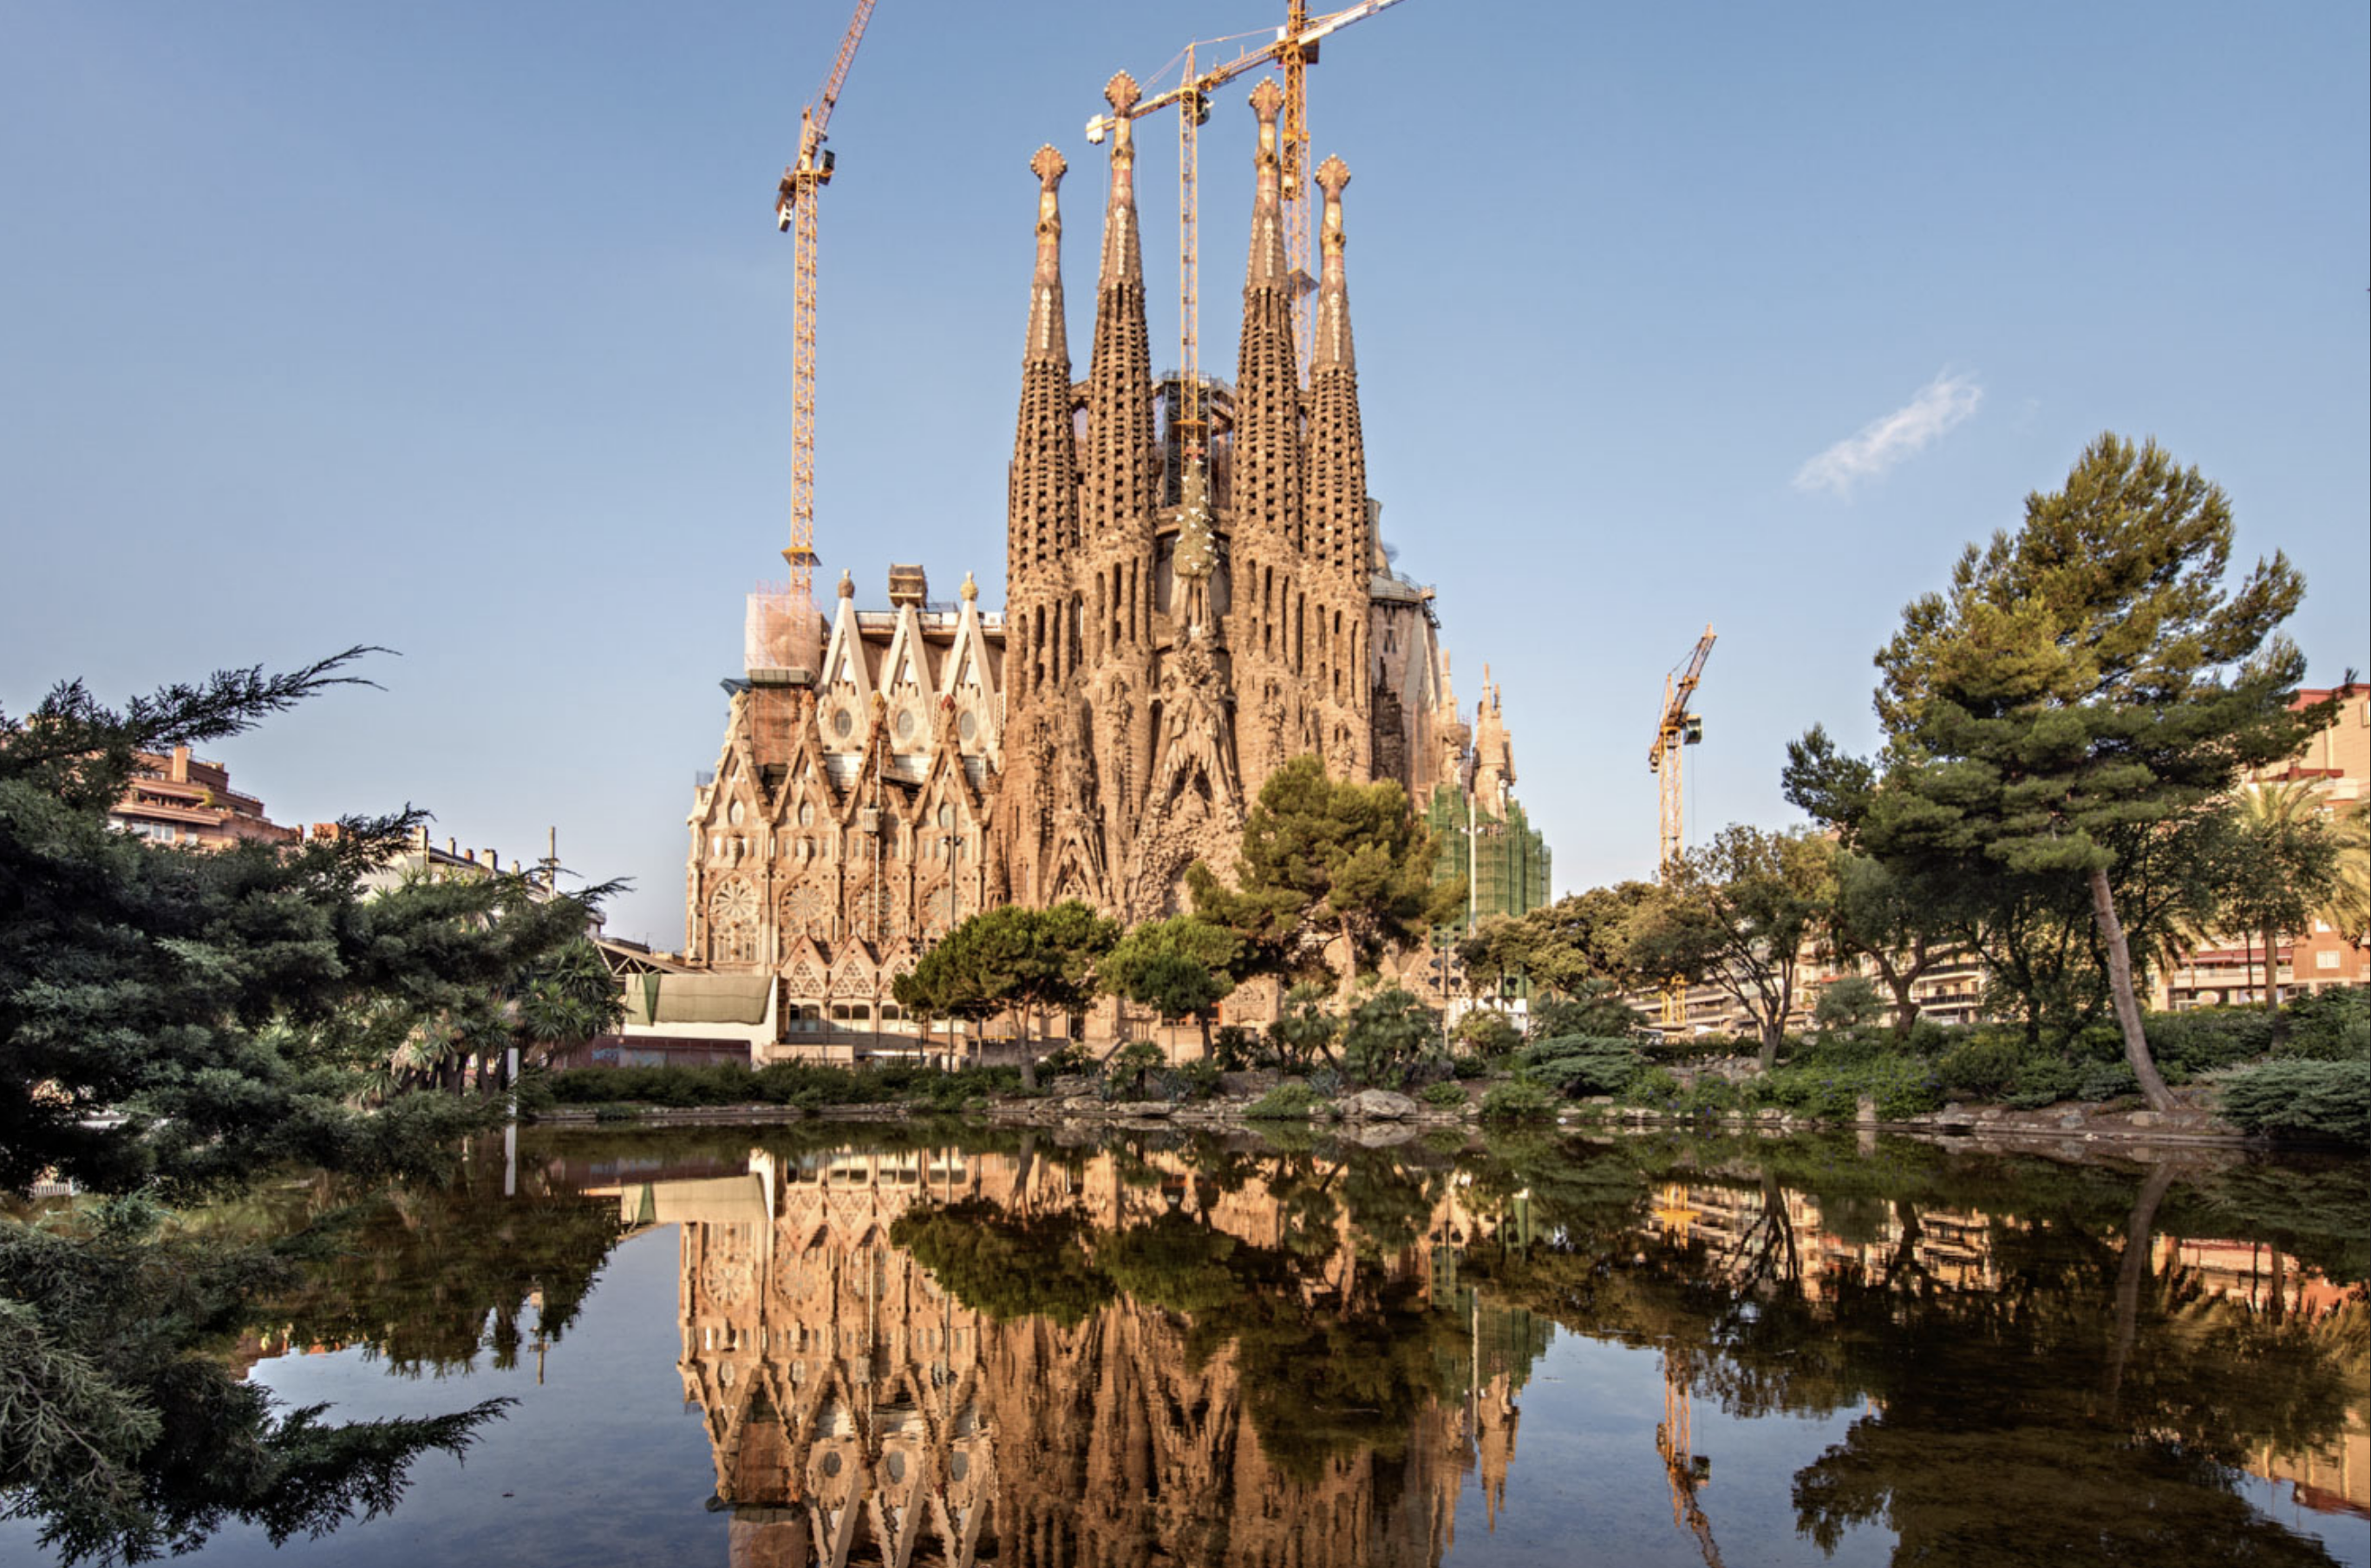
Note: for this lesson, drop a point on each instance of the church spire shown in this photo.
(1338, 450)
(1267, 381)
(1121, 457)
(1042, 499)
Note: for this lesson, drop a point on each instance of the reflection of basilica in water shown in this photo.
(859, 1413)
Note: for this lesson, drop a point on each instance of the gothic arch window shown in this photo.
(732, 923)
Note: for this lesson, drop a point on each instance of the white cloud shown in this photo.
(1943, 403)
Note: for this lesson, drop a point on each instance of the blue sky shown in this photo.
(464, 329)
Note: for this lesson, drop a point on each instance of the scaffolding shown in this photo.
(782, 632)
(1504, 862)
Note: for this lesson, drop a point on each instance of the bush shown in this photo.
(1290, 1101)
(1583, 1065)
(2042, 1079)
(2329, 1026)
(1194, 1080)
(2208, 1039)
(2098, 1081)
(1902, 1086)
(2326, 1102)
(1446, 1095)
(1488, 1034)
(1234, 1048)
(1518, 1100)
(1326, 1084)
(1980, 1069)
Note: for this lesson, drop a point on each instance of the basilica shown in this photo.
(1195, 593)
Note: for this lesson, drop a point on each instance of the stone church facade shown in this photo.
(1195, 595)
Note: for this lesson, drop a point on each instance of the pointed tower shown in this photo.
(1042, 504)
(1269, 628)
(1338, 543)
(1120, 477)
(1118, 499)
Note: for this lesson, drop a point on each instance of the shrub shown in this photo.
(2328, 1102)
(1711, 1095)
(2329, 1026)
(1979, 1069)
(2208, 1039)
(1233, 1048)
(1488, 1034)
(1581, 1065)
(2096, 1082)
(1290, 1101)
(1594, 1009)
(1518, 1100)
(2042, 1079)
(1652, 1086)
(1326, 1084)
(1194, 1080)
(1902, 1087)
(1446, 1094)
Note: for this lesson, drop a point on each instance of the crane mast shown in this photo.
(1677, 728)
(795, 212)
(1293, 50)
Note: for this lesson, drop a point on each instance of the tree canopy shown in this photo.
(1735, 914)
(1326, 859)
(2087, 688)
(1180, 967)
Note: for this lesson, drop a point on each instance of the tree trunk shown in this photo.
(2273, 982)
(2120, 982)
(1772, 1032)
(1028, 1049)
(2137, 1230)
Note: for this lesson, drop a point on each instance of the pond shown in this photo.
(874, 1345)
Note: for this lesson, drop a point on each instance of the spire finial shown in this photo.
(1268, 259)
(970, 589)
(1046, 336)
(847, 586)
(1333, 342)
(1122, 93)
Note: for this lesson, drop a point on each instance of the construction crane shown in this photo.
(795, 207)
(1687, 1470)
(1293, 50)
(1675, 729)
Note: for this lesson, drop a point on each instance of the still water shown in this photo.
(777, 1348)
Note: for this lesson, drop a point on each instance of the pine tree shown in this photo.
(2086, 689)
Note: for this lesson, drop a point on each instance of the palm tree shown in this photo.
(2290, 870)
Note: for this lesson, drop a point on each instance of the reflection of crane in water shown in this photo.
(1689, 1471)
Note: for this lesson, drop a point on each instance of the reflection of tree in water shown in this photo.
(432, 1277)
(2071, 1401)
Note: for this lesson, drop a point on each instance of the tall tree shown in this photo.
(1560, 946)
(2087, 685)
(1016, 959)
(232, 1010)
(1326, 859)
(1737, 914)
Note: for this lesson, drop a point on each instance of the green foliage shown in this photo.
(1322, 858)
(1904, 1085)
(1126, 1067)
(1383, 1034)
(1233, 1048)
(1518, 1100)
(1180, 967)
(2303, 1100)
(2100, 1081)
(1582, 1065)
(1980, 1069)
(1581, 939)
(1487, 1034)
(1850, 1002)
(1011, 959)
(123, 1427)
(1305, 1029)
(2061, 722)
(2209, 1038)
(1735, 914)
(1593, 1007)
(807, 1084)
(2043, 1077)
(1290, 1101)
(2333, 1025)
(1446, 1095)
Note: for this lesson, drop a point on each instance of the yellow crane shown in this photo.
(1688, 1471)
(1293, 50)
(1675, 729)
(795, 208)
